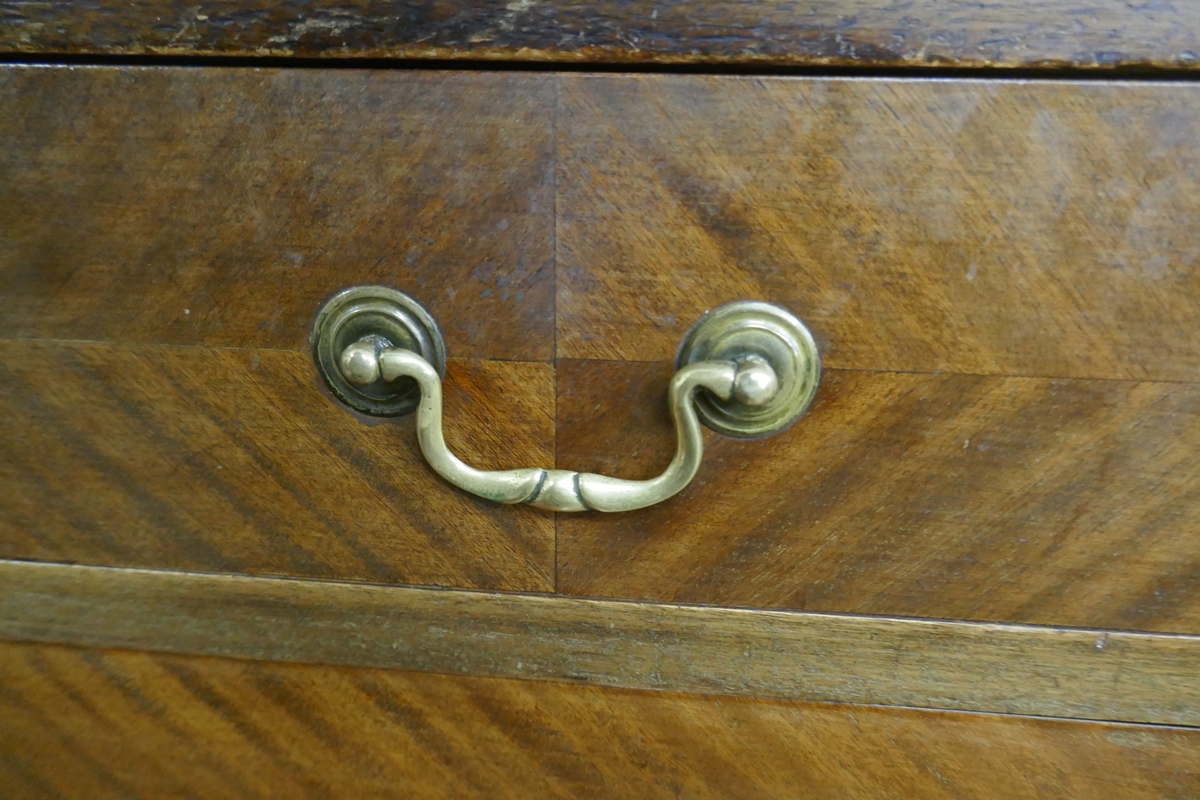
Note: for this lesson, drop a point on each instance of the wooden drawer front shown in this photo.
(220, 207)
(1004, 279)
(1001, 276)
(188, 223)
(993, 228)
(235, 461)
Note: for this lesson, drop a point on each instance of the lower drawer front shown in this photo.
(100, 724)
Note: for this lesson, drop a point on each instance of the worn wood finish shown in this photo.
(239, 461)
(987, 227)
(870, 33)
(1105, 675)
(220, 207)
(956, 496)
(96, 724)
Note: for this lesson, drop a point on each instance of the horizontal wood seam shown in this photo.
(984, 667)
(932, 373)
(554, 361)
(1133, 73)
(219, 348)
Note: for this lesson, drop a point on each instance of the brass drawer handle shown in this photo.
(756, 362)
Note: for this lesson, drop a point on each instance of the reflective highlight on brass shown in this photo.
(747, 331)
(385, 318)
(761, 379)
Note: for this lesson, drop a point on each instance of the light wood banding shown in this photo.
(950, 665)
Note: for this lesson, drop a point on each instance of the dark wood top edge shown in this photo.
(860, 33)
(984, 667)
(475, 62)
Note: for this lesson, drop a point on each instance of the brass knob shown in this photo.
(746, 369)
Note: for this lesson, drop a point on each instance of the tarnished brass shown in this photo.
(749, 330)
(756, 364)
(386, 318)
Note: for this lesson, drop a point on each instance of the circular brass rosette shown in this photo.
(751, 329)
(386, 318)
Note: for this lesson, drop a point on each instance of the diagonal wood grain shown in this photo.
(986, 227)
(953, 496)
(220, 207)
(239, 461)
(863, 33)
(1089, 674)
(99, 724)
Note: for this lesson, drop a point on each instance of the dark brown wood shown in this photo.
(100, 724)
(987, 227)
(239, 461)
(941, 238)
(1089, 674)
(220, 207)
(954, 496)
(923, 33)
(972, 227)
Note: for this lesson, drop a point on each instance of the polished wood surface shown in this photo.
(1101, 34)
(987, 227)
(970, 226)
(1008, 242)
(1088, 674)
(221, 207)
(1063, 502)
(1000, 274)
(1031, 232)
(237, 461)
(99, 724)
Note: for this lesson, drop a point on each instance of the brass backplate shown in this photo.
(749, 329)
(387, 318)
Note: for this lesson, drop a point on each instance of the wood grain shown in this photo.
(221, 207)
(239, 461)
(1087, 674)
(97, 724)
(870, 33)
(951, 496)
(987, 227)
